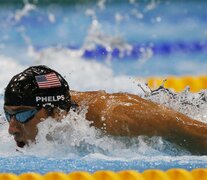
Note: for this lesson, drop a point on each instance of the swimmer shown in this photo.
(40, 92)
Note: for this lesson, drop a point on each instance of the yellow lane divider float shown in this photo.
(196, 83)
(172, 174)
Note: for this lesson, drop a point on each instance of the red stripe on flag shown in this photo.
(51, 80)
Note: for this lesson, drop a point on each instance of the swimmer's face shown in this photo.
(24, 132)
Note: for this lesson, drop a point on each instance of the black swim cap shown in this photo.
(38, 86)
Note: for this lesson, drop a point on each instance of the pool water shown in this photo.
(103, 45)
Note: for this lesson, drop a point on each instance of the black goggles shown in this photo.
(22, 116)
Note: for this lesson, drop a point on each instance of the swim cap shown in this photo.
(38, 86)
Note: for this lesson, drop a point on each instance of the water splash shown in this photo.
(96, 37)
(19, 14)
(191, 104)
(73, 137)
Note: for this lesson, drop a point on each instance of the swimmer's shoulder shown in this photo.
(86, 95)
(81, 93)
(101, 93)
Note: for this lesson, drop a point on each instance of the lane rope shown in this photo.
(179, 83)
(151, 174)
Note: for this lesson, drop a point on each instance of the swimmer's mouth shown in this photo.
(20, 144)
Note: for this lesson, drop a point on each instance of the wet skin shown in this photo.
(24, 132)
(124, 114)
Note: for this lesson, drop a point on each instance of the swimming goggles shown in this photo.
(22, 116)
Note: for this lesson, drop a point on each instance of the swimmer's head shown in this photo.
(32, 96)
(38, 86)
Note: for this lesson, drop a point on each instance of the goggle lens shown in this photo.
(21, 116)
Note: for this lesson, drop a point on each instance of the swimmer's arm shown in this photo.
(125, 114)
(151, 119)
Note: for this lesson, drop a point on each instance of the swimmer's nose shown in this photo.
(14, 127)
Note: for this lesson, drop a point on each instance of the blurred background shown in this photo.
(93, 42)
(132, 37)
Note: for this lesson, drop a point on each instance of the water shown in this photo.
(103, 45)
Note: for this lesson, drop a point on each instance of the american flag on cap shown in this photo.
(48, 81)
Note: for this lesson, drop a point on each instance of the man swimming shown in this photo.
(39, 92)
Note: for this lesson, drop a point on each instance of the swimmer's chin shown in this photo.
(20, 144)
